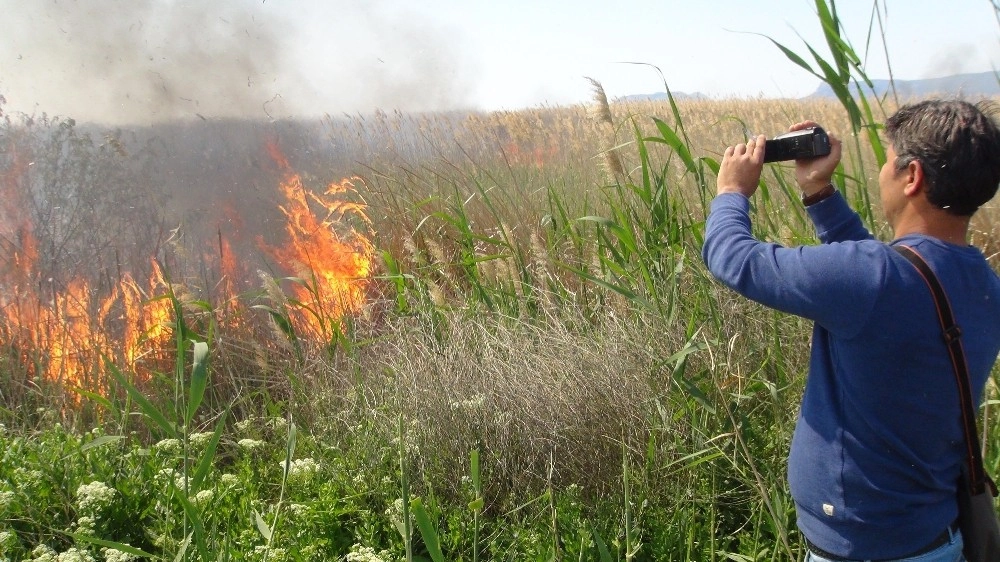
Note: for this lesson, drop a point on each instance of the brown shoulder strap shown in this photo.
(952, 334)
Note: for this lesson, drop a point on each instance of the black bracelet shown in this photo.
(820, 195)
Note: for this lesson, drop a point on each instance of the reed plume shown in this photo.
(601, 113)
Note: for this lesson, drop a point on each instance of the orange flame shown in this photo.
(146, 321)
(332, 258)
(65, 339)
(531, 154)
(74, 343)
(61, 333)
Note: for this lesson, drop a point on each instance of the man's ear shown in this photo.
(914, 178)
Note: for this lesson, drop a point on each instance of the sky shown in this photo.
(120, 62)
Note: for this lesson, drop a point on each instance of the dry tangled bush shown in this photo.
(542, 404)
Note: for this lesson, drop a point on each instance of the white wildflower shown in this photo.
(86, 525)
(200, 439)
(169, 446)
(43, 553)
(395, 511)
(279, 424)
(361, 553)
(297, 509)
(395, 514)
(301, 470)
(165, 476)
(93, 498)
(250, 444)
(113, 555)
(411, 448)
(244, 426)
(27, 478)
(75, 555)
(266, 554)
(203, 497)
(228, 480)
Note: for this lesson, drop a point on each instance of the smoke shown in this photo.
(144, 61)
(954, 60)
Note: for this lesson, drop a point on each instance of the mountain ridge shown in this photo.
(967, 85)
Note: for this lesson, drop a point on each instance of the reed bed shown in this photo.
(541, 367)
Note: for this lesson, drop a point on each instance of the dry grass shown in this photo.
(552, 400)
(533, 397)
(516, 156)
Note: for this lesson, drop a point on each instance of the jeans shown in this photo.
(948, 552)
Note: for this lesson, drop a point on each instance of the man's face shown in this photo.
(891, 183)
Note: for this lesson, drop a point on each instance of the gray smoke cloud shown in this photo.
(956, 60)
(145, 61)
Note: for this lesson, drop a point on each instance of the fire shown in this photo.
(64, 339)
(331, 257)
(536, 155)
(145, 320)
(74, 340)
(62, 331)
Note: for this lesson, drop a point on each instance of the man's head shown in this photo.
(958, 147)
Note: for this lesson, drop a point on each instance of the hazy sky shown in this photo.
(131, 61)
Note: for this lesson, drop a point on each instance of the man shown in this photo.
(877, 449)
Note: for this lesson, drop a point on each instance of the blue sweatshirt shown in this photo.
(877, 447)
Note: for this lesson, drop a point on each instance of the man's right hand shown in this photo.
(813, 174)
(741, 166)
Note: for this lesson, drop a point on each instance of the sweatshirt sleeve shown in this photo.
(835, 221)
(835, 283)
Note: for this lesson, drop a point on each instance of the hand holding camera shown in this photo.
(810, 142)
(812, 173)
(816, 155)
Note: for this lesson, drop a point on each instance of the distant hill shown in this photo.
(980, 84)
(660, 96)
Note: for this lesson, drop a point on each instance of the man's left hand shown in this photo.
(741, 167)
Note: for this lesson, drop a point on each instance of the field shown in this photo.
(459, 336)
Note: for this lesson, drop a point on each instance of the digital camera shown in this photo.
(806, 143)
